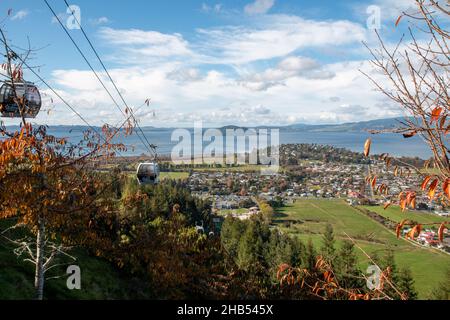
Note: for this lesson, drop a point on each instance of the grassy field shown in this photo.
(394, 213)
(174, 175)
(225, 212)
(308, 219)
(242, 168)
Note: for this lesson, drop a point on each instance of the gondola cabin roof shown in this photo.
(27, 91)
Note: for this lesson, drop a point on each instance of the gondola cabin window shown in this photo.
(28, 96)
(148, 173)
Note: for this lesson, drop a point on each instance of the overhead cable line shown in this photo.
(148, 147)
(64, 100)
(108, 74)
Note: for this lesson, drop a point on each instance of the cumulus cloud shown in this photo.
(260, 72)
(275, 36)
(185, 75)
(287, 68)
(139, 44)
(259, 7)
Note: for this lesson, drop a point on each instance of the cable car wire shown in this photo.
(147, 145)
(108, 74)
(65, 101)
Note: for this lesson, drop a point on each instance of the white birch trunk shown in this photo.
(39, 273)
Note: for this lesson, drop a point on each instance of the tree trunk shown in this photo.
(39, 274)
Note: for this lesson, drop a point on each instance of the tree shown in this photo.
(405, 284)
(418, 78)
(310, 255)
(266, 211)
(328, 249)
(349, 274)
(45, 185)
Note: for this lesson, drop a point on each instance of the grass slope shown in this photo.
(99, 278)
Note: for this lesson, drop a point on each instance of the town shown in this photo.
(309, 172)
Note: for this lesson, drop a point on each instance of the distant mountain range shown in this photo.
(380, 124)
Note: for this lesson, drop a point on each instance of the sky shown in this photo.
(240, 62)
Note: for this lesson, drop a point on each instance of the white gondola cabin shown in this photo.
(148, 173)
(24, 91)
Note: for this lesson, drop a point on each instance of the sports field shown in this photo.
(308, 219)
(394, 213)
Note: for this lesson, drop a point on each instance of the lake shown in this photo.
(393, 144)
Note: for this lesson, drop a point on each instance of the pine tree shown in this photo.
(328, 248)
(405, 284)
(310, 256)
(389, 263)
(347, 270)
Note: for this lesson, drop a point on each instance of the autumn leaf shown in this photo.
(396, 171)
(415, 230)
(446, 187)
(432, 189)
(398, 20)
(403, 204)
(374, 181)
(435, 114)
(425, 182)
(399, 227)
(441, 232)
(367, 147)
(388, 162)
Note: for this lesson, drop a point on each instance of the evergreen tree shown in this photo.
(310, 256)
(389, 262)
(405, 284)
(346, 267)
(231, 233)
(328, 248)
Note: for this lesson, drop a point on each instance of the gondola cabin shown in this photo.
(24, 91)
(148, 173)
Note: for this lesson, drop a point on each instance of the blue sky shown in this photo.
(244, 62)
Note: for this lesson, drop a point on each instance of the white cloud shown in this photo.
(287, 68)
(99, 21)
(215, 8)
(260, 72)
(185, 75)
(139, 44)
(19, 15)
(181, 95)
(276, 36)
(259, 7)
